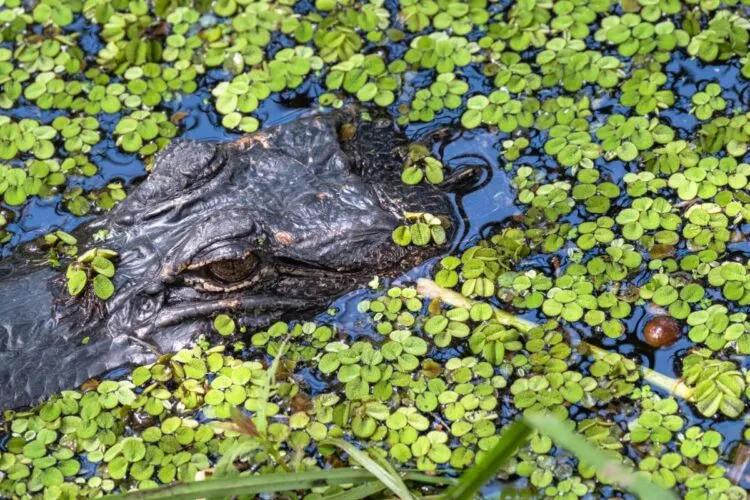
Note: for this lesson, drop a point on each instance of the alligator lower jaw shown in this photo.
(183, 312)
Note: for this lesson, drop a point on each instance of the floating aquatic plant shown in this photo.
(144, 132)
(95, 267)
(424, 229)
(625, 208)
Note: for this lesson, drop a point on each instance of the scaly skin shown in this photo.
(270, 226)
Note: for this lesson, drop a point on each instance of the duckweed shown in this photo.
(95, 267)
(632, 196)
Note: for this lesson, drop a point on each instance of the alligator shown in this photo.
(270, 226)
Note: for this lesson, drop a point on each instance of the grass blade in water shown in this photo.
(576, 444)
(359, 492)
(265, 390)
(392, 481)
(472, 481)
(251, 485)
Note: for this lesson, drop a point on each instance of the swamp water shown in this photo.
(437, 403)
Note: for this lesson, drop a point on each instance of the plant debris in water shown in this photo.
(623, 127)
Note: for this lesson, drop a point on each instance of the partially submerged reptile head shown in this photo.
(277, 222)
(267, 227)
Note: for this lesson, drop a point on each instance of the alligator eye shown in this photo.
(233, 270)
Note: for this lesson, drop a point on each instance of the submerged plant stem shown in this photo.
(674, 386)
(430, 289)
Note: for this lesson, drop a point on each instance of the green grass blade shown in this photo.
(418, 477)
(392, 481)
(261, 421)
(359, 492)
(472, 481)
(270, 483)
(251, 485)
(623, 476)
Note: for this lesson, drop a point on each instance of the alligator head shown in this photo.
(270, 226)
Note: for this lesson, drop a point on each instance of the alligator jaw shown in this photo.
(259, 304)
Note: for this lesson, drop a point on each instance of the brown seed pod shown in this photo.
(661, 331)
